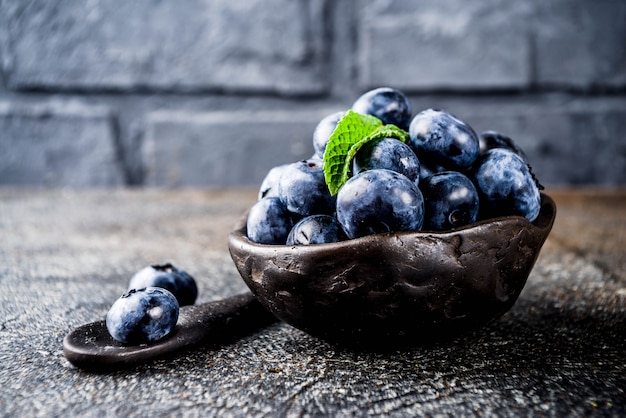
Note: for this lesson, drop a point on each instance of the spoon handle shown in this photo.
(90, 346)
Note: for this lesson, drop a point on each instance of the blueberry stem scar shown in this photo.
(90, 347)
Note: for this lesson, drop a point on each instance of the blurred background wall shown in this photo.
(213, 93)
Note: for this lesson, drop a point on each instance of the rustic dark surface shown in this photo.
(67, 255)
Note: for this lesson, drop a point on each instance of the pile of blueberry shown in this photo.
(149, 310)
(443, 177)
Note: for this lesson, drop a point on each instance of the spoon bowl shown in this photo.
(398, 288)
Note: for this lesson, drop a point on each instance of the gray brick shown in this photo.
(57, 145)
(565, 146)
(449, 44)
(256, 45)
(581, 43)
(224, 148)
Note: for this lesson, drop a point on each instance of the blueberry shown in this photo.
(427, 170)
(142, 316)
(316, 229)
(437, 137)
(303, 189)
(269, 185)
(506, 185)
(450, 201)
(493, 139)
(166, 276)
(269, 221)
(323, 131)
(388, 153)
(389, 105)
(378, 201)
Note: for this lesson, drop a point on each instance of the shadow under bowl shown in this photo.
(399, 288)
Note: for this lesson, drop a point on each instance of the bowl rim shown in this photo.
(543, 222)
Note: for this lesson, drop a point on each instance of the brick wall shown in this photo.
(215, 92)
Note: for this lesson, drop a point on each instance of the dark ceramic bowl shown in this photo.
(396, 288)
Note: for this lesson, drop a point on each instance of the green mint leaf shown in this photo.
(352, 132)
(351, 128)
